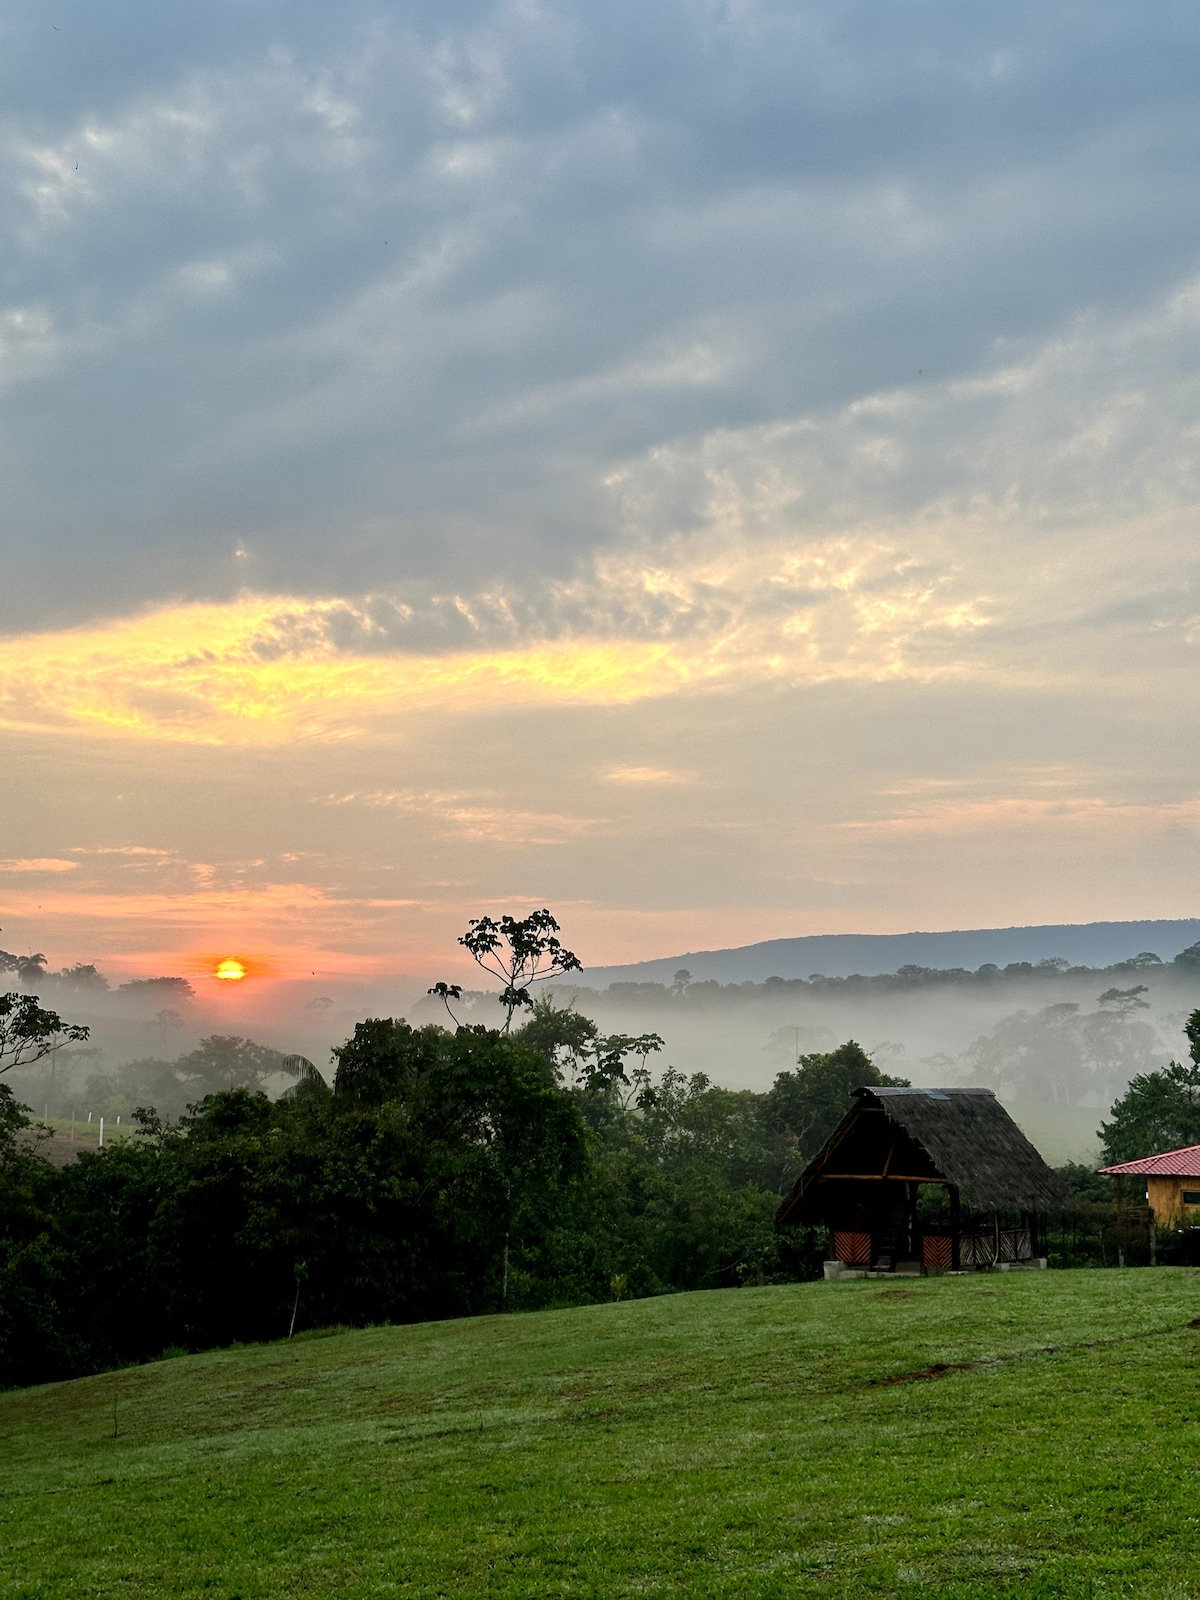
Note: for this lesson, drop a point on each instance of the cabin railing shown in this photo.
(995, 1246)
(984, 1249)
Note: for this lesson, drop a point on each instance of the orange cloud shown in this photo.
(643, 775)
(24, 864)
(269, 670)
(204, 674)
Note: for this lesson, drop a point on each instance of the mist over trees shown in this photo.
(220, 1061)
(549, 1159)
(1045, 1034)
(444, 1172)
(84, 980)
(1040, 1033)
(686, 990)
(1063, 1054)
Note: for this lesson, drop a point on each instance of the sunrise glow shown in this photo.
(695, 610)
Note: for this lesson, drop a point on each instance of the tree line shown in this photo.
(85, 980)
(445, 1171)
(688, 992)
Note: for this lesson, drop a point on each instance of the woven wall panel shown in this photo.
(852, 1248)
(936, 1252)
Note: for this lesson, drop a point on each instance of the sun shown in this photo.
(230, 970)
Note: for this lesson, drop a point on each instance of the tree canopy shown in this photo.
(29, 1032)
(1159, 1110)
(443, 1172)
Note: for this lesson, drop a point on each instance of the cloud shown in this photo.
(139, 853)
(204, 916)
(526, 419)
(1076, 815)
(1030, 523)
(320, 303)
(465, 815)
(261, 670)
(37, 864)
(644, 775)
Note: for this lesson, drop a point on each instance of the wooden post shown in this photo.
(955, 1250)
(910, 1198)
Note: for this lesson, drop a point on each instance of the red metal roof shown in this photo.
(1183, 1163)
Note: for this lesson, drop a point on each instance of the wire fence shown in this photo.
(1093, 1234)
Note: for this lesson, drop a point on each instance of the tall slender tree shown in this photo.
(520, 951)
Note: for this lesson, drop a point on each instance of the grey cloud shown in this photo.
(1095, 425)
(1016, 488)
(383, 297)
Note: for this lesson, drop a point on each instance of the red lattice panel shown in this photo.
(936, 1252)
(854, 1249)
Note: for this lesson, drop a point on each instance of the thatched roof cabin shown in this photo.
(932, 1179)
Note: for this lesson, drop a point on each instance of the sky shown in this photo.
(720, 470)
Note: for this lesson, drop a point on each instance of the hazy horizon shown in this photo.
(1057, 1043)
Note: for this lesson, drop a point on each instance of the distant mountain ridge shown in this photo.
(838, 955)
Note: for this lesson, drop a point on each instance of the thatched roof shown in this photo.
(967, 1137)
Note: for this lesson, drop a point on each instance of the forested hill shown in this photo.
(838, 955)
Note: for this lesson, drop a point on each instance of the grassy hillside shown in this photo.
(758, 1443)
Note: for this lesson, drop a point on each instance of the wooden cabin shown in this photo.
(1172, 1184)
(926, 1180)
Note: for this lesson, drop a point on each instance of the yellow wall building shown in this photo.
(1174, 1201)
(1172, 1184)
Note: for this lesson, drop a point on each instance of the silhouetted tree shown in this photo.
(520, 952)
(29, 1032)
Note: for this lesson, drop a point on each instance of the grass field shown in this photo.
(759, 1443)
(61, 1141)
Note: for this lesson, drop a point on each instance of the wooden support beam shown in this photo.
(830, 1146)
(876, 1177)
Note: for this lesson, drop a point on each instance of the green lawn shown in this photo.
(757, 1443)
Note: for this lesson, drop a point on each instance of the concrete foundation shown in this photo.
(839, 1272)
